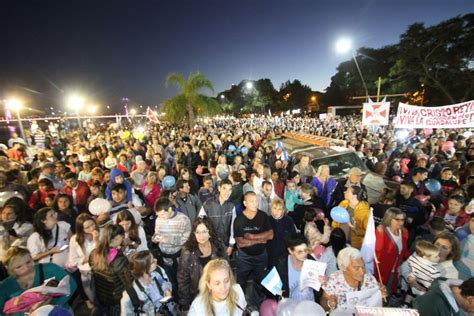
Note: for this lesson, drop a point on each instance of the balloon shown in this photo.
(231, 148)
(447, 146)
(5, 196)
(433, 186)
(397, 179)
(318, 251)
(340, 215)
(422, 198)
(308, 308)
(268, 308)
(286, 307)
(125, 135)
(138, 135)
(168, 182)
(99, 206)
(244, 150)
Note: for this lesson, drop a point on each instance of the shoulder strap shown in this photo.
(399, 251)
(137, 304)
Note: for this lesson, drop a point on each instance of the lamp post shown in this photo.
(344, 45)
(14, 104)
(76, 103)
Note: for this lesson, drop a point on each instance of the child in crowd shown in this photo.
(465, 266)
(282, 226)
(205, 192)
(423, 265)
(454, 214)
(291, 196)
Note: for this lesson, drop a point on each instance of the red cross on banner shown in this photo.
(375, 113)
(151, 115)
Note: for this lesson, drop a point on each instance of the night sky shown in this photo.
(110, 49)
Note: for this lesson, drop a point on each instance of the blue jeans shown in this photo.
(253, 268)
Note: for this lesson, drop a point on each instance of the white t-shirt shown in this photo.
(36, 245)
(220, 308)
(77, 253)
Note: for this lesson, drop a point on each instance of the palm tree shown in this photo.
(189, 103)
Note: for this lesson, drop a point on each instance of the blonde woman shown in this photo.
(219, 294)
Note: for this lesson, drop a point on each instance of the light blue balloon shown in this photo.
(340, 215)
(168, 182)
(433, 186)
(231, 148)
(244, 150)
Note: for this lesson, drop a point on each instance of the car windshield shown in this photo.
(339, 165)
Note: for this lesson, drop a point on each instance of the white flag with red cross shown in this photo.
(151, 115)
(375, 113)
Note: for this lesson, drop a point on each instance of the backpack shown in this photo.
(138, 304)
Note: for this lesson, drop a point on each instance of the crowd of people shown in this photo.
(167, 220)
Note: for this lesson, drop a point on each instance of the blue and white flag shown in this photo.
(285, 156)
(272, 282)
(368, 245)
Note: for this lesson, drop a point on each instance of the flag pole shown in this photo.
(378, 271)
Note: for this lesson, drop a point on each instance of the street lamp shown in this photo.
(14, 104)
(133, 112)
(249, 85)
(75, 102)
(343, 46)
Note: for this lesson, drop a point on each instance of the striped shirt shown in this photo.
(424, 270)
(172, 233)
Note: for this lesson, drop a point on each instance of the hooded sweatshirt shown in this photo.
(113, 173)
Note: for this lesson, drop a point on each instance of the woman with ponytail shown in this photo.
(110, 270)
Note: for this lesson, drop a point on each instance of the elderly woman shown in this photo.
(351, 277)
(390, 247)
(25, 274)
(324, 183)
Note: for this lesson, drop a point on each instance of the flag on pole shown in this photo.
(368, 245)
(151, 115)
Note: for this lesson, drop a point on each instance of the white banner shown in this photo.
(375, 113)
(459, 115)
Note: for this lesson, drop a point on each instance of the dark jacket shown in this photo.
(189, 273)
(434, 302)
(110, 284)
(190, 205)
(220, 217)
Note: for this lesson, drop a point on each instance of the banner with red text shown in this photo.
(459, 115)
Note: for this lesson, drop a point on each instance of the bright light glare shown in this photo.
(133, 111)
(401, 135)
(249, 85)
(343, 45)
(92, 109)
(140, 129)
(13, 104)
(222, 96)
(75, 102)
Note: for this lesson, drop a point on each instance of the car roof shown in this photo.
(294, 147)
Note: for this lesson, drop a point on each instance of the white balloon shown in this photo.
(5, 196)
(308, 308)
(286, 307)
(99, 206)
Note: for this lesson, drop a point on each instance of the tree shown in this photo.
(189, 103)
(294, 95)
(440, 57)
